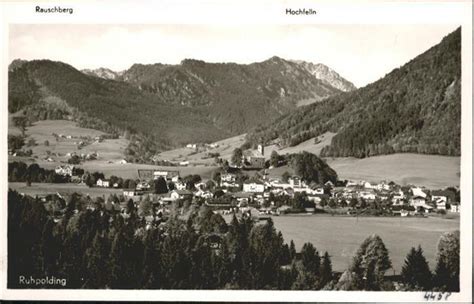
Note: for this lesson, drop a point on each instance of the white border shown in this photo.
(246, 12)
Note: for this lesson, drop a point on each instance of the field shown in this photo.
(308, 146)
(46, 188)
(110, 151)
(342, 236)
(41, 131)
(431, 171)
(224, 148)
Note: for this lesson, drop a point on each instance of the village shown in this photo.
(236, 192)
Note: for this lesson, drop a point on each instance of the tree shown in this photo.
(31, 142)
(310, 259)
(46, 143)
(145, 207)
(326, 270)
(370, 263)
(353, 202)
(312, 169)
(285, 176)
(264, 252)
(274, 159)
(89, 180)
(159, 185)
(74, 160)
(415, 272)
(292, 250)
(447, 267)
(21, 122)
(236, 159)
(308, 276)
(15, 142)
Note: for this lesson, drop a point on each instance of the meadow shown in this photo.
(341, 236)
(47, 188)
(431, 171)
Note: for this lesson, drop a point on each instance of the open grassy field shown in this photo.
(342, 236)
(431, 171)
(308, 146)
(110, 150)
(46, 188)
(41, 131)
(225, 148)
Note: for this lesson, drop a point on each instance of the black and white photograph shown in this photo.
(253, 157)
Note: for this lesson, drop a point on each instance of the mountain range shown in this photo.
(414, 108)
(169, 105)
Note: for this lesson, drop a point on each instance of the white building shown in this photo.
(253, 187)
(103, 183)
(65, 170)
(417, 191)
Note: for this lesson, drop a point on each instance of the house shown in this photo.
(424, 209)
(242, 197)
(296, 182)
(132, 192)
(122, 162)
(181, 194)
(383, 186)
(455, 208)
(367, 195)
(441, 205)
(368, 185)
(143, 186)
(317, 190)
(253, 187)
(398, 196)
(184, 163)
(203, 194)
(442, 196)
(417, 191)
(254, 162)
(180, 185)
(418, 201)
(352, 184)
(329, 184)
(228, 180)
(168, 175)
(66, 170)
(105, 183)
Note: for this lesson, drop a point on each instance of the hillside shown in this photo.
(237, 95)
(414, 108)
(164, 106)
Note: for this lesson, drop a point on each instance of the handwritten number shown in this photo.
(447, 295)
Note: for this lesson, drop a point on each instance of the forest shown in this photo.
(415, 108)
(100, 247)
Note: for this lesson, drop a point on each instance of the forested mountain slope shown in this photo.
(166, 105)
(414, 108)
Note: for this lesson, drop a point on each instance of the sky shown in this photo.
(360, 53)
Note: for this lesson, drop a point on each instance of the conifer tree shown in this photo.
(415, 272)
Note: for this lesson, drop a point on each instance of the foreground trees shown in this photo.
(100, 248)
(368, 267)
(415, 272)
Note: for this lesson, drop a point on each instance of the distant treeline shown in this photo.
(102, 248)
(21, 172)
(415, 108)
